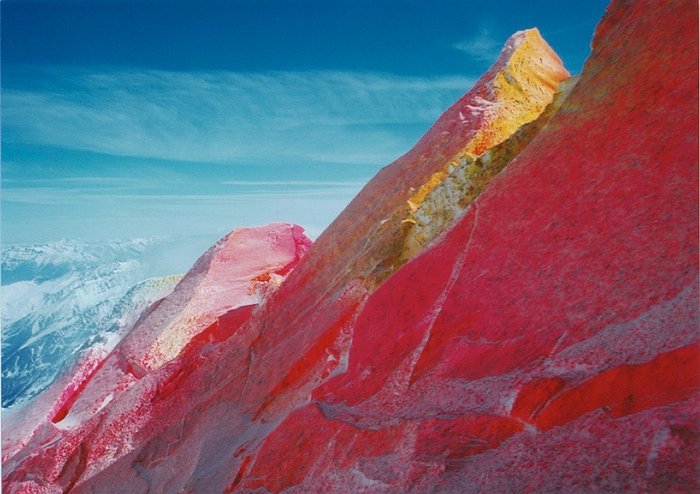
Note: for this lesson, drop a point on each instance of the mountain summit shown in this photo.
(509, 307)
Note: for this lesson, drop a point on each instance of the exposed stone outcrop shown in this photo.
(510, 307)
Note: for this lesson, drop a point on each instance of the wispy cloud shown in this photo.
(288, 183)
(85, 214)
(100, 181)
(483, 47)
(276, 117)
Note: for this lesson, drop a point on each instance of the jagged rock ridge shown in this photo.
(543, 337)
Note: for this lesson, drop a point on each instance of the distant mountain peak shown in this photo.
(509, 307)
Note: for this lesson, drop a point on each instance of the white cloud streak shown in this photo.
(321, 116)
(290, 183)
(482, 47)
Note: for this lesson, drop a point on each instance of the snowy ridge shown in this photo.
(61, 298)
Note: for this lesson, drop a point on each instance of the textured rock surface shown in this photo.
(377, 228)
(226, 283)
(547, 341)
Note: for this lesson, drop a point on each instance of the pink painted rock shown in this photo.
(543, 339)
(227, 283)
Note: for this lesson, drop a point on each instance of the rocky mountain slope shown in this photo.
(512, 306)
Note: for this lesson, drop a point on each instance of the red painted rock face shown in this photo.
(546, 342)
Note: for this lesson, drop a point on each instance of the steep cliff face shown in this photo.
(510, 307)
(375, 235)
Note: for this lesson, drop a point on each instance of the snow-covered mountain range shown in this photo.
(62, 297)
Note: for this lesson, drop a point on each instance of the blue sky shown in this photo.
(187, 119)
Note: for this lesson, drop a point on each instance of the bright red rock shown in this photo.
(546, 342)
